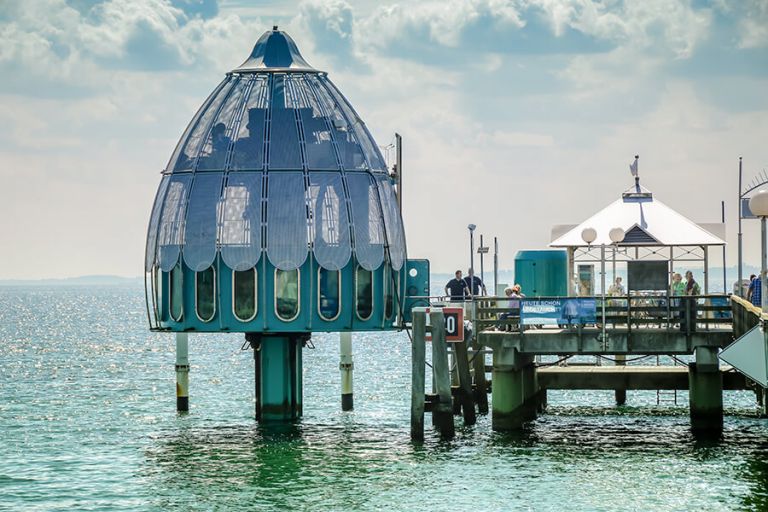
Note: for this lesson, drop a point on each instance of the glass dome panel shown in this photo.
(200, 226)
(240, 235)
(366, 219)
(213, 155)
(392, 224)
(154, 221)
(284, 148)
(188, 157)
(171, 232)
(361, 133)
(287, 237)
(352, 157)
(318, 146)
(331, 223)
(191, 125)
(248, 152)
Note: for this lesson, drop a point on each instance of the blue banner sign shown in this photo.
(565, 311)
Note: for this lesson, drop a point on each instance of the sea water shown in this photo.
(88, 422)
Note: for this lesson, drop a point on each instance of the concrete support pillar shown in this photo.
(182, 372)
(515, 390)
(706, 391)
(280, 377)
(346, 367)
(621, 394)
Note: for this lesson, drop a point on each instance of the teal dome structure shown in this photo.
(275, 212)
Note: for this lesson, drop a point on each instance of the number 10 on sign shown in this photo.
(454, 325)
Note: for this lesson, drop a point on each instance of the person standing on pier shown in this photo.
(456, 288)
(474, 283)
(692, 289)
(754, 292)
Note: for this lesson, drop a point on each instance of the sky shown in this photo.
(516, 115)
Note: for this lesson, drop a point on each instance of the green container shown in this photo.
(542, 273)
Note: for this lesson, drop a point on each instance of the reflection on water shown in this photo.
(87, 418)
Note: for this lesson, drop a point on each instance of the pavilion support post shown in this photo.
(514, 389)
(346, 367)
(705, 382)
(182, 372)
(571, 270)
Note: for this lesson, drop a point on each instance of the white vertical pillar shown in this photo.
(346, 367)
(182, 372)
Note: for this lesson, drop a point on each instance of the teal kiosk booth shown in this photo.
(542, 273)
(276, 217)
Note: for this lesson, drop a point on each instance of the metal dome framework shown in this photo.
(274, 134)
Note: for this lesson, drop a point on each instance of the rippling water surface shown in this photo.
(87, 422)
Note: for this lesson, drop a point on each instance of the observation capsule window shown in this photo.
(287, 305)
(328, 294)
(176, 295)
(244, 286)
(389, 299)
(205, 294)
(363, 293)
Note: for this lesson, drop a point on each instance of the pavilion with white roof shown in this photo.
(652, 231)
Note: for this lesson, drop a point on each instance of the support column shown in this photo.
(706, 391)
(182, 372)
(346, 367)
(280, 376)
(621, 394)
(513, 399)
(530, 382)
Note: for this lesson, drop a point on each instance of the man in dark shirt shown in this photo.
(474, 284)
(456, 288)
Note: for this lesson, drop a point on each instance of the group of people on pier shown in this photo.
(461, 288)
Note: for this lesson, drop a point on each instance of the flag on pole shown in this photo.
(633, 167)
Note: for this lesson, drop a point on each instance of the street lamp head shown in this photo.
(589, 235)
(616, 235)
(471, 227)
(758, 203)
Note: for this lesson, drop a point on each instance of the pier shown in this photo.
(634, 328)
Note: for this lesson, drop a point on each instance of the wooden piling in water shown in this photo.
(465, 382)
(418, 363)
(481, 385)
(442, 413)
(620, 394)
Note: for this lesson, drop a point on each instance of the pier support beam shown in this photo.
(706, 391)
(278, 376)
(182, 372)
(346, 367)
(514, 398)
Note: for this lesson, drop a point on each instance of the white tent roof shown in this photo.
(645, 220)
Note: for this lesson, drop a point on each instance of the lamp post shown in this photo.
(758, 203)
(617, 236)
(482, 250)
(471, 272)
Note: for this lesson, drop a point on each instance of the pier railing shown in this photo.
(686, 314)
(745, 315)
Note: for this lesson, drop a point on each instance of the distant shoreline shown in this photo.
(105, 280)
